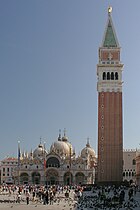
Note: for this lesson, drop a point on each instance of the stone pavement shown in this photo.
(61, 204)
(31, 206)
(134, 203)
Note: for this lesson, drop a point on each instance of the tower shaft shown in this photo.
(110, 121)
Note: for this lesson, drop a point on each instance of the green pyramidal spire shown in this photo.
(110, 38)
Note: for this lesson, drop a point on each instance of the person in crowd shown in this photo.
(122, 196)
(27, 197)
(51, 197)
(130, 193)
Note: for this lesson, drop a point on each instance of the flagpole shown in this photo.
(18, 160)
(44, 163)
(70, 167)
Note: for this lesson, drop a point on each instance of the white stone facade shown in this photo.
(8, 165)
(129, 165)
(58, 166)
(138, 167)
(109, 85)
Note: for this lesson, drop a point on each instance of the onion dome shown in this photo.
(39, 151)
(65, 138)
(70, 147)
(88, 151)
(60, 147)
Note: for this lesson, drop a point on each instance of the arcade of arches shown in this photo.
(53, 178)
(35, 178)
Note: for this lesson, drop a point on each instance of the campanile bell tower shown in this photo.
(110, 124)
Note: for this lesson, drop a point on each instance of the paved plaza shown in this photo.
(63, 203)
(60, 203)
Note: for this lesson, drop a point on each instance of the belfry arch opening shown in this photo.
(116, 76)
(104, 76)
(112, 75)
(108, 76)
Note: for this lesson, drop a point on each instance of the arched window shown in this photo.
(116, 75)
(52, 162)
(108, 76)
(126, 173)
(24, 178)
(104, 76)
(36, 177)
(123, 173)
(134, 162)
(112, 75)
(80, 178)
(129, 173)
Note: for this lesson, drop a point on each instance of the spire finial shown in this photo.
(60, 132)
(109, 10)
(64, 132)
(40, 139)
(88, 145)
(31, 152)
(59, 137)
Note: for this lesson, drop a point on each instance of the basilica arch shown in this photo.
(24, 178)
(79, 178)
(53, 162)
(52, 177)
(36, 177)
(68, 178)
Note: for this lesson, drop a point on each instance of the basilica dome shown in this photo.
(39, 151)
(88, 150)
(61, 148)
(65, 140)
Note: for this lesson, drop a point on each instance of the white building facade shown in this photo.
(129, 166)
(59, 166)
(8, 165)
(138, 167)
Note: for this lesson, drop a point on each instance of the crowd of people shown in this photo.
(99, 197)
(36, 194)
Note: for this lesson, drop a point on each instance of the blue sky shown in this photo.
(48, 58)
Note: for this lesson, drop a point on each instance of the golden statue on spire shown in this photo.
(109, 9)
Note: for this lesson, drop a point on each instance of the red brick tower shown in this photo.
(110, 125)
